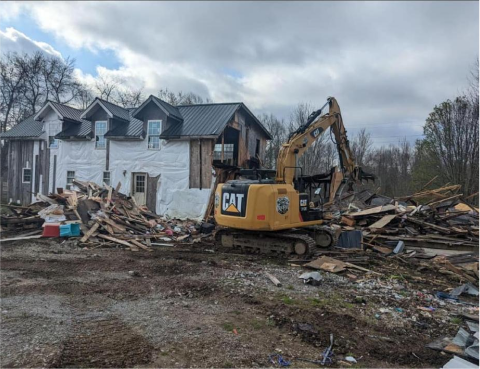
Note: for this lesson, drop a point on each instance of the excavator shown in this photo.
(274, 214)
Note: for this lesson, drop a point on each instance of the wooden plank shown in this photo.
(274, 280)
(194, 164)
(375, 210)
(141, 245)
(90, 232)
(151, 198)
(429, 225)
(383, 222)
(206, 163)
(116, 240)
(20, 238)
(350, 265)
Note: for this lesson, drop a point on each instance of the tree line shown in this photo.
(448, 151)
(27, 81)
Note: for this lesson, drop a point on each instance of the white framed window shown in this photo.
(153, 134)
(26, 175)
(100, 130)
(70, 178)
(106, 178)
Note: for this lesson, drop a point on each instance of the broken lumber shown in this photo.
(90, 232)
(274, 280)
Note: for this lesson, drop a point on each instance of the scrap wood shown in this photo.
(383, 222)
(429, 225)
(375, 210)
(274, 280)
(90, 232)
(20, 238)
(141, 245)
(116, 240)
(332, 265)
(350, 265)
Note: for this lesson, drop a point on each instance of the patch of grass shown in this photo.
(228, 364)
(257, 324)
(236, 312)
(164, 353)
(287, 300)
(228, 326)
(456, 320)
(394, 276)
(290, 287)
(270, 322)
(349, 305)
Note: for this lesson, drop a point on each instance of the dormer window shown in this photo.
(100, 130)
(153, 134)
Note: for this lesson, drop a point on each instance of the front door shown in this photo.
(140, 188)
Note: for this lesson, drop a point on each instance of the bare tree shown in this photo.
(181, 98)
(12, 86)
(361, 146)
(278, 131)
(129, 98)
(106, 87)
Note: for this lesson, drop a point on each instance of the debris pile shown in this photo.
(105, 216)
(437, 218)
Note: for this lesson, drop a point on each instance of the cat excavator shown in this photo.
(269, 214)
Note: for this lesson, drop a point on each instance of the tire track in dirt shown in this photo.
(103, 342)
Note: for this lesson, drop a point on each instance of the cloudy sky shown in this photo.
(387, 63)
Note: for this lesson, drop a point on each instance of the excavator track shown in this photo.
(279, 243)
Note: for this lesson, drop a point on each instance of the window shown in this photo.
(53, 129)
(153, 133)
(257, 149)
(70, 177)
(52, 142)
(106, 178)
(100, 130)
(27, 175)
(227, 151)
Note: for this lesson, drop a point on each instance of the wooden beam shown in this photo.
(90, 232)
(223, 145)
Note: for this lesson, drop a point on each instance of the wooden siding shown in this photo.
(151, 200)
(201, 152)
(20, 153)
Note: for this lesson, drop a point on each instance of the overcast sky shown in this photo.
(387, 63)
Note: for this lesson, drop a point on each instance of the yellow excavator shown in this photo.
(267, 215)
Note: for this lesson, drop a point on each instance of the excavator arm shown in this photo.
(300, 140)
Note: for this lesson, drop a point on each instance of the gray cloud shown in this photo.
(388, 63)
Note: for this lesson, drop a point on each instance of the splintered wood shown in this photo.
(431, 218)
(107, 217)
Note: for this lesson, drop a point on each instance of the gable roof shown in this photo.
(114, 111)
(206, 120)
(202, 120)
(167, 108)
(190, 120)
(64, 111)
(28, 128)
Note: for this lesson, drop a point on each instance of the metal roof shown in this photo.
(202, 120)
(67, 111)
(28, 128)
(133, 129)
(171, 110)
(76, 130)
(117, 111)
(196, 120)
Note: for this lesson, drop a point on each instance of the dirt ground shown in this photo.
(64, 306)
